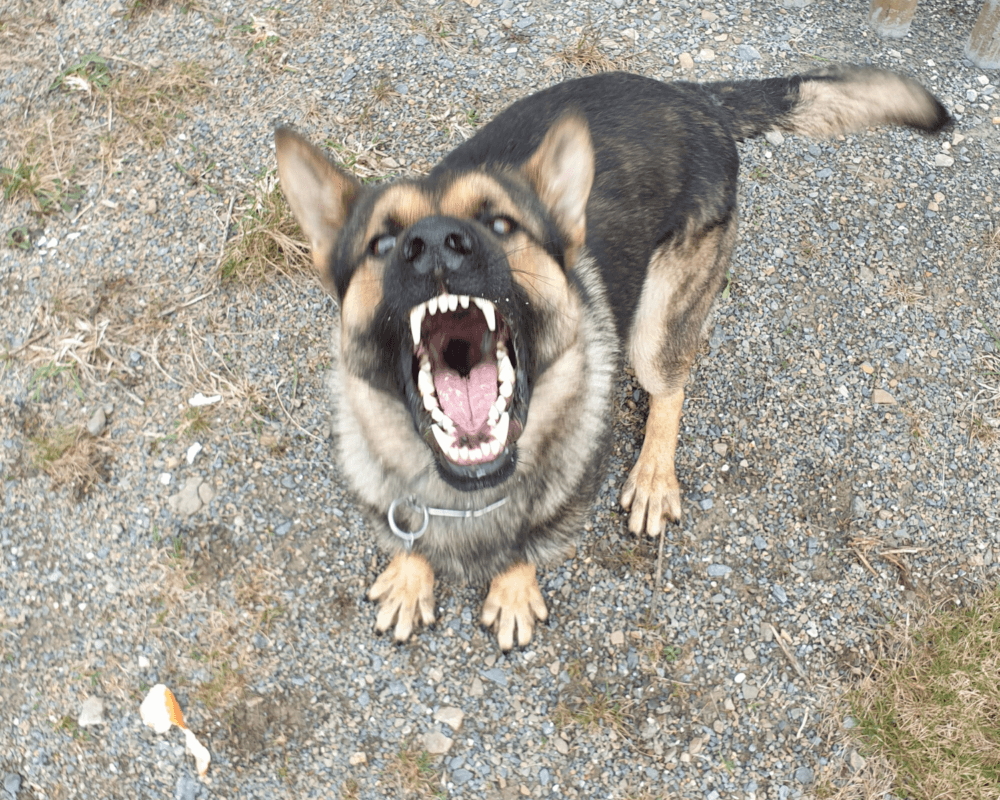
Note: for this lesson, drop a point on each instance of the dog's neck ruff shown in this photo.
(409, 537)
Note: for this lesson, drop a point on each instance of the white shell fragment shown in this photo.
(160, 710)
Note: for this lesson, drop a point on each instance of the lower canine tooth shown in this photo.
(443, 439)
(495, 446)
(500, 431)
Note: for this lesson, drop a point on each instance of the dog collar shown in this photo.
(409, 537)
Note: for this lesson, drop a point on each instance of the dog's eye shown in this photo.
(502, 226)
(381, 245)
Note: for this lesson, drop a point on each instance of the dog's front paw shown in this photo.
(405, 593)
(514, 602)
(650, 495)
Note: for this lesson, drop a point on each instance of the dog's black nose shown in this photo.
(436, 244)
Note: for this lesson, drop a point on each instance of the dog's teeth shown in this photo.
(495, 412)
(416, 320)
(464, 300)
(506, 371)
(425, 363)
(454, 454)
(490, 313)
(501, 349)
(506, 389)
(500, 431)
(463, 453)
(443, 420)
(430, 401)
(495, 446)
(432, 306)
(443, 439)
(425, 382)
(452, 302)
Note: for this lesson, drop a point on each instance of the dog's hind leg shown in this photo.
(651, 491)
(682, 282)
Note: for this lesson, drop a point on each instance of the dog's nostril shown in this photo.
(414, 249)
(457, 243)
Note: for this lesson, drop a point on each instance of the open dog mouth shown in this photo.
(464, 367)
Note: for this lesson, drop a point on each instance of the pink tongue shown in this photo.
(467, 401)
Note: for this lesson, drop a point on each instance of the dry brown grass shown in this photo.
(268, 241)
(930, 709)
(152, 101)
(413, 773)
(48, 162)
(71, 457)
(592, 54)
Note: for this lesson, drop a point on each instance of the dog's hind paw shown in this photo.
(514, 602)
(405, 593)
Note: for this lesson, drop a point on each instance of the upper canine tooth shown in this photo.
(432, 306)
(416, 320)
(464, 300)
(452, 302)
(488, 311)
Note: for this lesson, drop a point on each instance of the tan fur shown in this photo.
(871, 98)
(678, 276)
(651, 492)
(406, 592)
(514, 602)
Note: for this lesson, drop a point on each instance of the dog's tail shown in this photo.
(836, 100)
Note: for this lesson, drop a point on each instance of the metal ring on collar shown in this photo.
(408, 536)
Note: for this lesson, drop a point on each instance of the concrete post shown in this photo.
(891, 17)
(983, 48)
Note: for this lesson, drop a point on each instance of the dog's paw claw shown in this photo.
(513, 604)
(651, 495)
(405, 594)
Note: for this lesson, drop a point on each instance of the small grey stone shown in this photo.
(187, 501)
(856, 761)
(461, 776)
(747, 52)
(525, 22)
(91, 712)
(900, 357)
(96, 423)
(826, 172)
(775, 138)
(942, 160)
(450, 716)
(187, 788)
(779, 594)
(760, 542)
(750, 691)
(496, 675)
(436, 743)
(804, 775)
(420, 40)
(719, 570)
(12, 783)
(706, 504)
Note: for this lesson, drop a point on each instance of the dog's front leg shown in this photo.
(652, 492)
(514, 601)
(405, 593)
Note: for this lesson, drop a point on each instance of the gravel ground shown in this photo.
(840, 448)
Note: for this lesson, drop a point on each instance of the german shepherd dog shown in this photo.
(484, 309)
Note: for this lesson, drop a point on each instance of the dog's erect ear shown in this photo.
(319, 194)
(562, 172)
